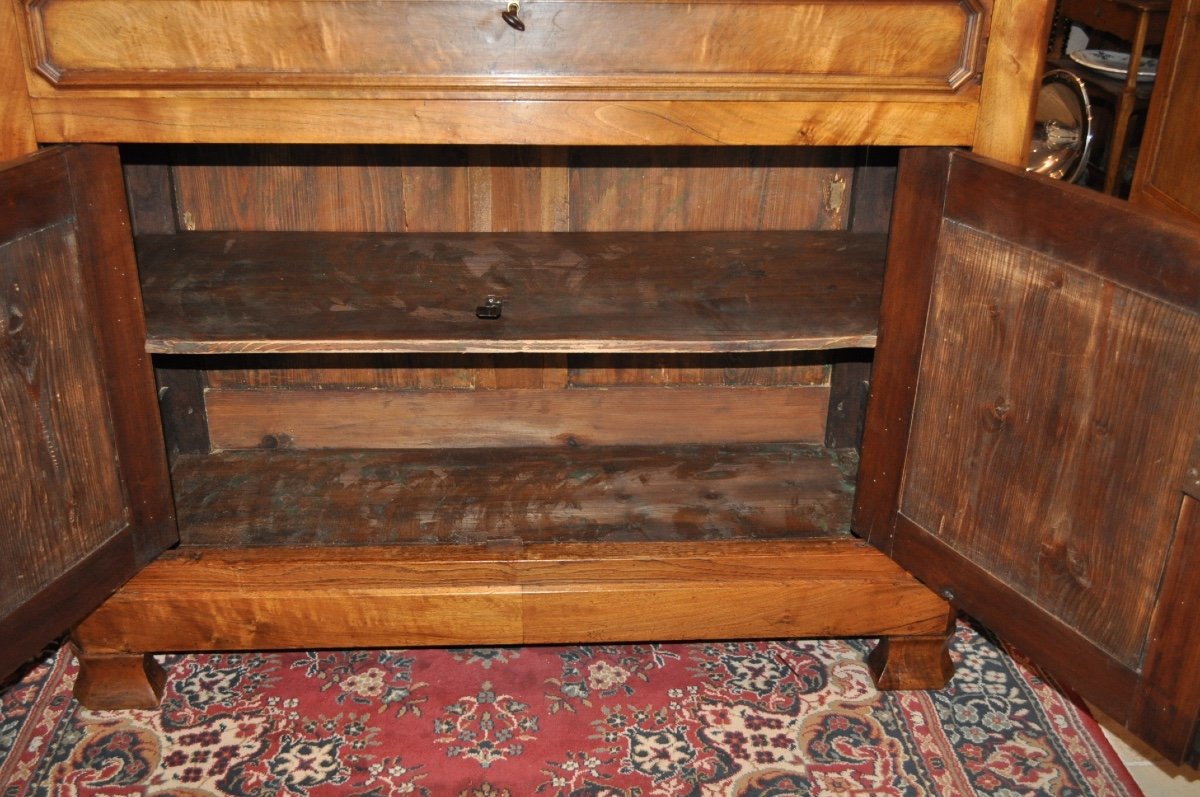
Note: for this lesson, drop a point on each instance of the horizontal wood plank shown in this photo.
(384, 597)
(471, 496)
(259, 118)
(560, 292)
(241, 419)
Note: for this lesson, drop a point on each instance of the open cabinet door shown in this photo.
(1032, 449)
(1168, 169)
(85, 498)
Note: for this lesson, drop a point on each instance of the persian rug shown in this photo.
(752, 719)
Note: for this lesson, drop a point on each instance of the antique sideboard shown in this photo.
(461, 322)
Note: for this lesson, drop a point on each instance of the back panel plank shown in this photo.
(521, 496)
(242, 419)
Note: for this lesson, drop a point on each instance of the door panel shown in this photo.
(1032, 460)
(77, 493)
(1168, 170)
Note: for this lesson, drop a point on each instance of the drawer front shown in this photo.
(820, 48)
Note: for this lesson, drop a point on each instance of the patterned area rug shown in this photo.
(761, 719)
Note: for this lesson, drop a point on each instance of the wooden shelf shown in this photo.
(237, 292)
(514, 496)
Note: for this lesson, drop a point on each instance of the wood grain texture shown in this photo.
(62, 486)
(853, 120)
(1166, 709)
(118, 328)
(1057, 362)
(486, 188)
(1056, 646)
(563, 292)
(388, 597)
(74, 535)
(241, 419)
(513, 496)
(1165, 177)
(332, 189)
(920, 196)
(710, 188)
(1012, 74)
(711, 48)
(914, 662)
(731, 369)
(16, 117)
(119, 682)
(1066, 541)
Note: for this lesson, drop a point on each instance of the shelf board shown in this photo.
(505, 496)
(237, 292)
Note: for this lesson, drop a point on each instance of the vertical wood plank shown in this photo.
(17, 136)
(115, 304)
(1168, 698)
(150, 189)
(1012, 74)
(920, 196)
(849, 383)
(181, 397)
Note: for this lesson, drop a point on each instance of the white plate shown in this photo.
(1114, 63)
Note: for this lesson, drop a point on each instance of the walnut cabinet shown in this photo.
(345, 324)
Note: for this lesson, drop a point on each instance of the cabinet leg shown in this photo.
(111, 682)
(911, 662)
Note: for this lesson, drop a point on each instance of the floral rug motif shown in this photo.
(736, 719)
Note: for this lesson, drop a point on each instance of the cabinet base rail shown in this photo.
(218, 599)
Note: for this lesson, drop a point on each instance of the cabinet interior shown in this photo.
(682, 353)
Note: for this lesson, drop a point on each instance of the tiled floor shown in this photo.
(1156, 777)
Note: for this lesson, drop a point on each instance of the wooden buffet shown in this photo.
(438, 331)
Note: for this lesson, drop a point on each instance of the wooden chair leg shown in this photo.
(111, 682)
(921, 662)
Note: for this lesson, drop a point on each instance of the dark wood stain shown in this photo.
(625, 493)
(562, 292)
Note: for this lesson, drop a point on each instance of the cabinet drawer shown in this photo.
(820, 49)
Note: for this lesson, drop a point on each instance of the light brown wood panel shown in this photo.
(16, 117)
(763, 188)
(61, 488)
(992, 420)
(513, 496)
(263, 118)
(1012, 70)
(387, 597)
(519, 189)
(709, 48)
(475, 419)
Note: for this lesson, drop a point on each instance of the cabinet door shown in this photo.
(84, 498)
(1168, 170)
(1032, 449)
